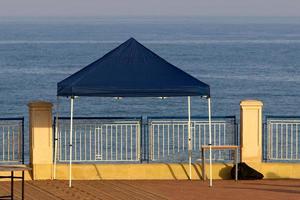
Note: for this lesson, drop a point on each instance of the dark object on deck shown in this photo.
(246, 173)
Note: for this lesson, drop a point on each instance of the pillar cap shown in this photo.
(39, 104)
(250, 102)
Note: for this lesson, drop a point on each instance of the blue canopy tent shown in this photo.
(132, 70)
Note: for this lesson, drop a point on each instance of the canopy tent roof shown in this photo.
(131, 70)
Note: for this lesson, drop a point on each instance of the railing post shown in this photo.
(142, 131)
(148, 141)
(40, 135)
(266, 139)
(251, 131)
(23, 144)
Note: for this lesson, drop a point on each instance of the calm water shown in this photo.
(239, 60)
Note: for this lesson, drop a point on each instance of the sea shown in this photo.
(239, 57)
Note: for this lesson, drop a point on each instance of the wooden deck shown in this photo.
(147, 190)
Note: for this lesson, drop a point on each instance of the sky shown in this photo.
(149, 8)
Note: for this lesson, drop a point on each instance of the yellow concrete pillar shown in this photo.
(251, 131)
(40, 136)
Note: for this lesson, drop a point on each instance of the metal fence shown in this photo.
(150, 140)
(169, 138)
(282, 138)
(11, 140)
(100, 139)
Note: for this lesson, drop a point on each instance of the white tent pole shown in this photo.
(189, 135)
(56, 137)
(71, 138)
(210, 153)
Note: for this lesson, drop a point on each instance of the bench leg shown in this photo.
(203, 165)
(236, 164)
(12, 185)
(22, 185)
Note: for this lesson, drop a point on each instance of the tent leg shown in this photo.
(210, 151)
(71, 138)
(189, 140)
(56, 137)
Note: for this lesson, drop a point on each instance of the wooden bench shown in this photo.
(232, 147)
(12, 169)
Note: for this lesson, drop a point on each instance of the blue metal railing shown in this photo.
(281, 139)
(168, 137)
(12, 140)
(101, 139)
